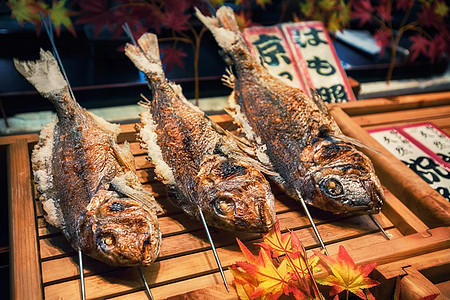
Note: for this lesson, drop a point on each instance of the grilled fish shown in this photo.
(293, 133)
(195, 158)
(87, 182)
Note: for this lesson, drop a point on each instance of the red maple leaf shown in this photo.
(439, 45)
(97, 13)
(176, 19)
(419, 45)
(428, 17)
(122, 15)
(173, 56)
(362, 10)
(403, 4)
(151, 15)
(384, 10)
(383, 38)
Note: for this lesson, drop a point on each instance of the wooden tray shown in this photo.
(43, 265)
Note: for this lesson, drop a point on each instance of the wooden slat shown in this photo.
(442, 122)
(186, 263)
(437, 259)
(397, 103)
(416, 115)
(416, 286)
(418, 196)
(24, 258)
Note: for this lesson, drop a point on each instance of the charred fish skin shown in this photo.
(87, 182)
(300, 139)
(198, 163)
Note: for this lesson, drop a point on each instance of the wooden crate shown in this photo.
(43, 265)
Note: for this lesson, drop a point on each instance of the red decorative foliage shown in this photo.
(403, 4)
(428, 17)
(384, 10)
(97, 13)
(383, 38)
(173, 56)
(362, 10)
(420, 46)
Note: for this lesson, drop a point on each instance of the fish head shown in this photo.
(233, 195)
(125, 232)
(344, 180)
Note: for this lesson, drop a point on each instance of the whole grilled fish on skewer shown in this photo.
(87, 182)
(294, 133)
(199, 161)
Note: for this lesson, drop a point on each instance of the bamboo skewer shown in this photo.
(149, 293)
(379, 227)
(82, 285)
(316, 232)
(213, 248)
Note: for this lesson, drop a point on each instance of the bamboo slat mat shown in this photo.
(186, 265)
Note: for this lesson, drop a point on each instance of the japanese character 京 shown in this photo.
(270, 48)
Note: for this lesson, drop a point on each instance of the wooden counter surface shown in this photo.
(45, 266)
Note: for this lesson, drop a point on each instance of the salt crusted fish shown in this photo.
(87, 182)
(197, 159)
(294, 133)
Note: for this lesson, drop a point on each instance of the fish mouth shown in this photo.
(267, 221)
(376, 196)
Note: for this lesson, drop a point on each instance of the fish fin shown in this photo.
(102, 123)
(124, 156)
(224, 27)
(355, 142)
(229, 79)
(44, 74)
(124, 185)
(318, 101)
(146, 57)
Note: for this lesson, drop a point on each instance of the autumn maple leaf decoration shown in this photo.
(346, 275)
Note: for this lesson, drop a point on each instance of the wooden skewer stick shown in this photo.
(149, 293)
(80, 265)
(213, 248)
(305, 208)
(379, 226)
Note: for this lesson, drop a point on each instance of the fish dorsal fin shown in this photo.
(319, 102)
(122, 185)
(355, 142)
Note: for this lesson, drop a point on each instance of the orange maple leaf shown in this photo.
(346, 275)
(277, 243)
(271, 280)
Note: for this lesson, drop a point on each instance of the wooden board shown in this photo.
(186, 265)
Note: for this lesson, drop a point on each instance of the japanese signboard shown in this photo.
(270, 46)
(304, 54)
(424, 148)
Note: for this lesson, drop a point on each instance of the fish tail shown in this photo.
(225, 30)
(45, 75)
(146, 56)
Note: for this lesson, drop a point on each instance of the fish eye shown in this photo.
(107, 243)
(332, 187)
(224, 206)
